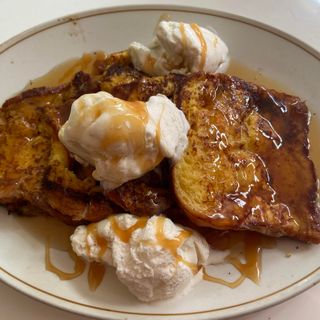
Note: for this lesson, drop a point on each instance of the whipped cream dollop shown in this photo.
(155, 258)
(181, 47)
(123, 139)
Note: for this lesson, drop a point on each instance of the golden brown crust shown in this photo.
(245, 180)
(42, 177)
(247, 165)
(36, 171)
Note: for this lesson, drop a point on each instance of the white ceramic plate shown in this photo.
(260, 47)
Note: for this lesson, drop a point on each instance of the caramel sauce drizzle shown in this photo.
(79, 265)
(129, 120)
(183, 34)
(149, 63)
(81, 64)
(252, 253)
(125, 235)
(257, 76)
(230, 284)
(203, 43)
(65, 71)
(253, 243)
(215, 41)
(92, 231)
(158, 138)
(97, 270)
(172, 244)
(95, 275)
(123, 113)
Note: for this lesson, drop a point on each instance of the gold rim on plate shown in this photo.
(29, 33)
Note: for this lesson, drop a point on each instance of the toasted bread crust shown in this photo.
(247, 165)
(36, 169)
(43, 177)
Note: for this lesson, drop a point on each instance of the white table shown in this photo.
(300, 18)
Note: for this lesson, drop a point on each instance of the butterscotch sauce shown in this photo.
(173, 244)
(254, 75)
(215, 41)
(230, 284)
(138, 107)
(252, 245)
(183, 35)
(65, 71)
(97, 270)
(129, 121)
(158, 137)
(163, 17)
(252, 254)
(125, 234)
(149, 63)
(251, 268)
(203, 44)
(79, 265)
(128, 125)
(95, 275)
(92, 231)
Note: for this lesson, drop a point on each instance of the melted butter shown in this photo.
(252, 245)
(203, 44)
(95, 275)
(79, 265)
(65, 71)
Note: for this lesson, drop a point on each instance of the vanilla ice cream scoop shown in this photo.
(123, 139)
(181, 47)
(155, 258)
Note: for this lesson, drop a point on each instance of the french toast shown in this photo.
(35, 168)
(43, 178)
(246, 166)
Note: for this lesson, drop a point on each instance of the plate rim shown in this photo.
(7, 44)
(299, 286)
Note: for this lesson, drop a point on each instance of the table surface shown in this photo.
(300, 18)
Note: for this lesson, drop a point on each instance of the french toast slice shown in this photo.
(247, 165)
(39, 176)
(36, 171)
